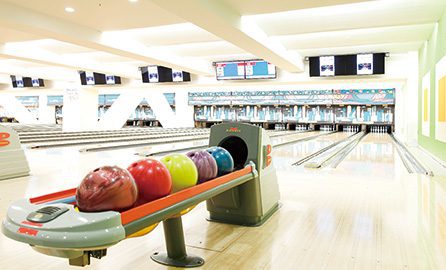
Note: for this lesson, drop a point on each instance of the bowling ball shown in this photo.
(224, 160)
(205, 163)
(182, 170)
(152, 179)
(106, 188)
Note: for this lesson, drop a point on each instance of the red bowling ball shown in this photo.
(205, 163)
(152, 178)
(106, 188)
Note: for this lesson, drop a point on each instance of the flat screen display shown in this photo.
(153, 73)
(177, 75)
(259, 69)
(109, 79)
(93, 78)
(346, 65)
(35, 82)
(160, 74)
(364, 64)
(19, 81)
(230, 70)
(89, 77)
(327, 66)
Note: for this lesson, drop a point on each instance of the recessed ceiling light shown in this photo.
(69, 9)
(133, 1)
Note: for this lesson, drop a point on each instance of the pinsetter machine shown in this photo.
(51, 224)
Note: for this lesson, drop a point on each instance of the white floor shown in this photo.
(368, 213)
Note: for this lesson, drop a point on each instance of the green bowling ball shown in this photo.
(182, 170)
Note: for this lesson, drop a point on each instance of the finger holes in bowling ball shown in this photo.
(97, 169)
(238, 150)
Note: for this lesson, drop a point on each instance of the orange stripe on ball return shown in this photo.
(159, 204)
(53, 196)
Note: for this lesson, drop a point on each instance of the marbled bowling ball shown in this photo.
(205, 163)
(106, 188)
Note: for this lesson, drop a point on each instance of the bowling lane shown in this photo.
(117, 140)
(287, 154)
(292, 136)
(283, 137)
(376, 155)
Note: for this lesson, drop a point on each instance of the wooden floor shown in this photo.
(368, 213)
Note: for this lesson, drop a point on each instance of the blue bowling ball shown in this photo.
(224, 160)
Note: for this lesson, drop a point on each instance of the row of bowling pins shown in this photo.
(378, 129)
(350, 129)
(280, 127)
(327, 128)
(301, 127)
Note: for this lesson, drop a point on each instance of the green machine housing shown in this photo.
(249, 204)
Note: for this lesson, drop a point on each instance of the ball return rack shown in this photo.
(52, 225)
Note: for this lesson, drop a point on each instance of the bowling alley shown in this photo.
(223, 134)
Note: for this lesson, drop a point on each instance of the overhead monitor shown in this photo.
(327, 66)
(346, 65)
(364, 64)
(153, 73)
(89, 77)
(230, 70)
(177, 75)
(161, 74)
(19, 81)
(94, 78)
(259, 69)
(109, 79)
(35, 82)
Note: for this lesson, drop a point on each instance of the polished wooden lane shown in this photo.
(367, 214)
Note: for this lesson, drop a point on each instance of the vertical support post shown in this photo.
(174, 237)
(176, 248)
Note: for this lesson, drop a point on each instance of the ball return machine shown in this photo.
(52, 225)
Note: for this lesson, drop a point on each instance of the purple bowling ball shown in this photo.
(205, 163)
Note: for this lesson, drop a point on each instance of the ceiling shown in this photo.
(118, 36)
(103, 15)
